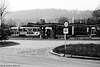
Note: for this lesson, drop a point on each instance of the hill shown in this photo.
(48, 14)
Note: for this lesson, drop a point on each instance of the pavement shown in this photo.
(35, 53)
(70, 38)
(31, 61)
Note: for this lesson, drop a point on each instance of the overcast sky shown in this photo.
(16, 5)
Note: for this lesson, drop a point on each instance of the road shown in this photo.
(10, 56)
(35, 44)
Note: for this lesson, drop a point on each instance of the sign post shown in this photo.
(65, 41)
(65, 31)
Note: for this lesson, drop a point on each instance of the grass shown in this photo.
(91, 50)
(8, 43)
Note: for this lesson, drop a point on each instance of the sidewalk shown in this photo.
(70, 38)
(84, 38)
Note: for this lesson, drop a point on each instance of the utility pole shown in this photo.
(0, 17)
(0, 22)
(72, 26)
(73, 22)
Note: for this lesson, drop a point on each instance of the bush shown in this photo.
(3, 34)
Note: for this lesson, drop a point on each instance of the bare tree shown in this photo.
(3, 10)
(98, 7)
(11, 22)
(62, 20)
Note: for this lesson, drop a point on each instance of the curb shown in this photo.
(74, 56)
(54, 53)
(85, 57)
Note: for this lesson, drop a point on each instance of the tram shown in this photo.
(25, 31)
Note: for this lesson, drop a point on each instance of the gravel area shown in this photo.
(42, 52)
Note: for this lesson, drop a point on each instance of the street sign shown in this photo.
(66, 24)
(65, 30)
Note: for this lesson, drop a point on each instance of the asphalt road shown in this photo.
(13, 60)
(35, 44)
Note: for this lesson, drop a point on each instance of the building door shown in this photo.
(48, 32)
